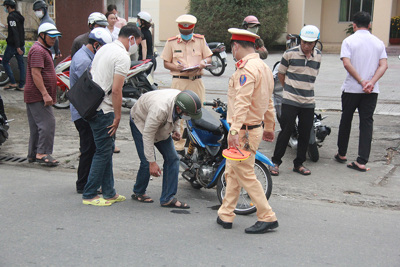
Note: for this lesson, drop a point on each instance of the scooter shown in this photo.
(318, 132)
(204, 165)
(218, 58)
(4, 79)
(293, 40)
(136, 83)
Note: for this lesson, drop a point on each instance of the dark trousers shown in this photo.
(287, 121)
(366, 104)
(87, 149)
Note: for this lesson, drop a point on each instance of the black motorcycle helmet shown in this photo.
(39, 4)
(10, 3)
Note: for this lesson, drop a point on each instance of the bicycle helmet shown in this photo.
(100, 35)
(39, 4)
(190, 103)
(250, 20)
(9, 3)
(144, 16)
(97, 18)
(309, 33)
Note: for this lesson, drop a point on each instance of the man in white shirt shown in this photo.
(364, 57)
(109, 69)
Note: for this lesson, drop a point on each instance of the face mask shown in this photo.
(233, 54)
(5, 10)
(253, 30)
(187, 37)
(39, 14)
(132, 48)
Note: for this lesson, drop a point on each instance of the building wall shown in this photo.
(169, 11)
(381, 23)
(295, 16)
(153, 8)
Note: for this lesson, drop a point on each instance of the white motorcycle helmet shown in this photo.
(97, 18)
(309, 33)
(144, 16)
(100, 35)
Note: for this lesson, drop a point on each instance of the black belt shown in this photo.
(187, 77)
(250, 127)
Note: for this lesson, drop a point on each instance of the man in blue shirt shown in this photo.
(97, 38)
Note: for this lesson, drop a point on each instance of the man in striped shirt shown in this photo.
(297, 73)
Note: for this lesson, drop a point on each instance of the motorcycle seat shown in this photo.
(207, 122)
(135, 63)
(213, 45)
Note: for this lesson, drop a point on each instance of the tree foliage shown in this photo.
(215, 17)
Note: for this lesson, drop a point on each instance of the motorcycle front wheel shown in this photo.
(245, 205)
(218, 65)
(4, 79)
(62, 99)
(313, 152)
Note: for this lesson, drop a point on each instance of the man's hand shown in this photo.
(268, 136)
(154, 169)
(113, 127)
(48, 101)
(368, 86)
(233, 140)
(19, 51)
(176, 136)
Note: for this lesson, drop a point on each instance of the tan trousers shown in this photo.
(240, 174)
(196, 86)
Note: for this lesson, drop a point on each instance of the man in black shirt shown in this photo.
(15, 45)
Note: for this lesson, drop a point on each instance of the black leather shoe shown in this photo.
(226, 225)
(79, 191)
(261, 227)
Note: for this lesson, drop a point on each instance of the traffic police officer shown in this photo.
(250, 90)
(186, 50)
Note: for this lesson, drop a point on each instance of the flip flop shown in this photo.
(47, 161)
(120, 198)
(101, 202)
(142, 198)
(10, 87)
(355, 167)
(302, 170)
(172, 204)
(274, 170)
(338, 159)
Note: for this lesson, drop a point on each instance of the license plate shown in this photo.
(223, 54)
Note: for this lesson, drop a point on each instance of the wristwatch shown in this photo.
(233, 132)
(205, 61)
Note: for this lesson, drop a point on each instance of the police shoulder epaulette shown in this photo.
(198, 36)
(173, 38)
(241, 63)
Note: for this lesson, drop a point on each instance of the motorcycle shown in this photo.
(293, 40)
(318, 132)
(136, 83)
(3, 129)
(218, 58)
(204, 165)
(4, 79)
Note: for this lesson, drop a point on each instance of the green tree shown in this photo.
(215, 17)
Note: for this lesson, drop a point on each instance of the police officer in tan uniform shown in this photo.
(250, 90)
(186, 50)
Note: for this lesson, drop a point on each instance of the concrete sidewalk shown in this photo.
(330, 181)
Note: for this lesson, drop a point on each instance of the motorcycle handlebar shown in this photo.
(209, 104)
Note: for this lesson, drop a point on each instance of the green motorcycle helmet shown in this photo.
(189, 102)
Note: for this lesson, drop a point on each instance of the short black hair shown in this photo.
(111, 7)
(362, 19)
(130, 29)
(108, 14)
(244, 44)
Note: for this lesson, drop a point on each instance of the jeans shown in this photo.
(365, 103)
(288, 120)
(101, 170)
(8, 54)
(87, 149)
(170, 167)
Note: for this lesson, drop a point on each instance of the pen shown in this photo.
(179, 62)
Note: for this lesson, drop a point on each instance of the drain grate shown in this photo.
(13, 159)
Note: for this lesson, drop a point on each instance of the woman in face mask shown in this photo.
(252, 24)
(146, 49)
(112, 19)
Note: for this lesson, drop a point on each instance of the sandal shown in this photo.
(120, 198)
(101, 202)
(10, 87)
(274, 170)
(302, 170)
(339, 159)
(355, 167)
(47, 161)
(172, 204)
(142, 198)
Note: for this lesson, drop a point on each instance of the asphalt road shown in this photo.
(43, 223)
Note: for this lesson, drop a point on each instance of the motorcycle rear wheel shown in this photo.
(313, 152)
(62, 99)
(219, 65)
(4, 79)
(245, 205)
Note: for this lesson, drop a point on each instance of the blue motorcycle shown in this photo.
(204, 165)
